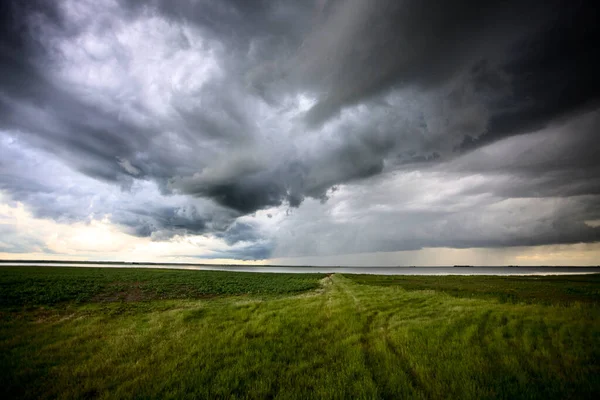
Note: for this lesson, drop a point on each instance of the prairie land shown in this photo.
(149, 333)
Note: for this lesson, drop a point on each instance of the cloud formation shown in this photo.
(344, 120)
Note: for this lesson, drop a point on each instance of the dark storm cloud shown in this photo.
(240, 232)
(86, 137)
(363, 48)
(554, 71)
(258, 104)
(245, 193)
(173, 220)
(562, 160)
(94, 140)
(257, 251)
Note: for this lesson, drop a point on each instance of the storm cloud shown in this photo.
(355, 125)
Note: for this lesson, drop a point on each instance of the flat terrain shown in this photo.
(123, 333)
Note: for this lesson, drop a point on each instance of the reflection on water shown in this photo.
(348, 270)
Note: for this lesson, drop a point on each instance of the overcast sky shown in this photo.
(359, 132)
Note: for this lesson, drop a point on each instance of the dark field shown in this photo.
(137, 333)
(30, 286)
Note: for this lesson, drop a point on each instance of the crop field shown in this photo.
(30, 286)
(132, 333)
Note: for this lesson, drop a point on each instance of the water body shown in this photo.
(342, 270)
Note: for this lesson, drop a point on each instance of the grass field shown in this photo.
(131, 333)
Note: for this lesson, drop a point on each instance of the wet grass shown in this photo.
(341, 340)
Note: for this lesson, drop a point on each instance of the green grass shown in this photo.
(30, 286)
(235, 335)
(564, 289)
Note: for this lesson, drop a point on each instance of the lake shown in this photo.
(474, 270)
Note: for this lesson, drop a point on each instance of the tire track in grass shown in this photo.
(479, 335)
(341, 287)
(368, 345)
(415, 381)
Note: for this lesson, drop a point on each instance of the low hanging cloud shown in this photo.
(524, 190)
(182, 118)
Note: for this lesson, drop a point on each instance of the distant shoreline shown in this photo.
(277, 265)
(369, 270)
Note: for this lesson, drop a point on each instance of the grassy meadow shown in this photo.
(147, 333)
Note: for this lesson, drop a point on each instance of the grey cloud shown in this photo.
(12, 241)
(543, 63)
(53, 191)
(553, 72)
(245, 194)
(526, 223)
(257, 251)
(490, 224)
(559, 161)
(241, 232)
(526, 190)
(365, 47)
(217, 118)
(163, 222)
(209, 104)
